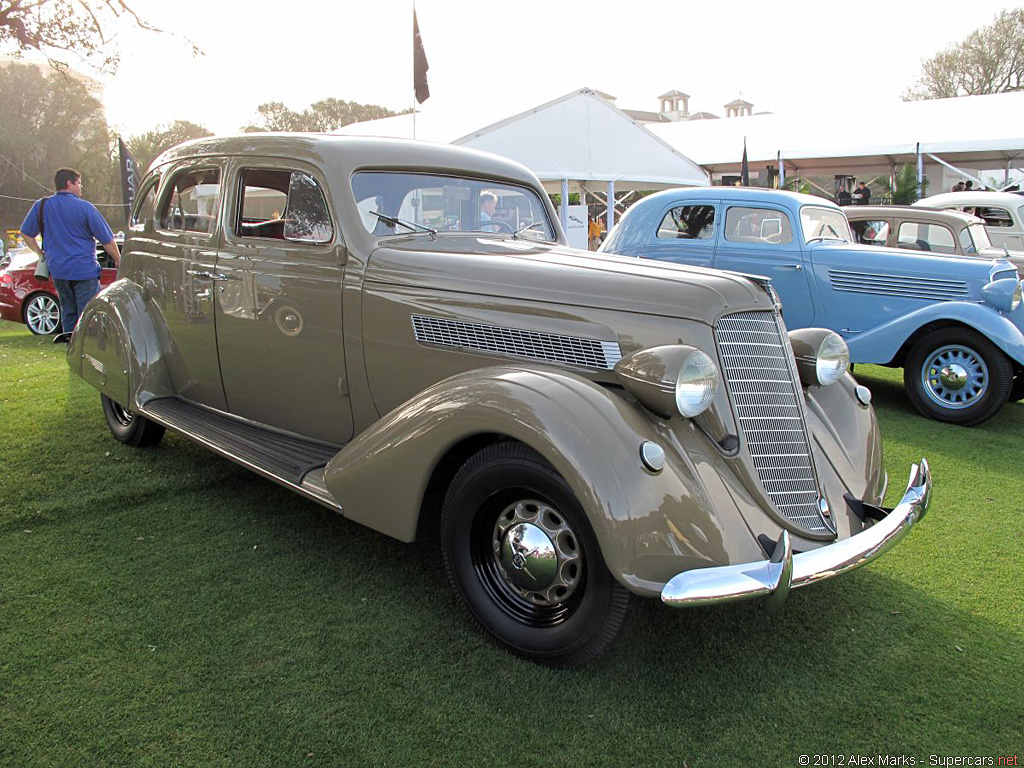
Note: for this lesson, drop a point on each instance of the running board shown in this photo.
(284, 458)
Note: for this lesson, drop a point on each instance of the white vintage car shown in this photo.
(1003, 213)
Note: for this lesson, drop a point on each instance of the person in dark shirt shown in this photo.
(862, 194)
(70, 227)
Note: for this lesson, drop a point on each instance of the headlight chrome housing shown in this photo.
(1003, 294)
(822, 356)
(670, 379)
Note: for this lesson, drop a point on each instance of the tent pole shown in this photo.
(920, 172)
(564, 213)
(611, 205)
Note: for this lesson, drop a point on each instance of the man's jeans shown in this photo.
(74, 295)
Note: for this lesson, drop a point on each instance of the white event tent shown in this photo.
(965, 134)
(579, 142)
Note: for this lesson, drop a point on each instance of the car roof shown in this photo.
(916, 212)
(785, 197)
(972, 198)
(351, 153)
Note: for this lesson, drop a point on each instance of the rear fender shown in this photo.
(649, 525)
(116, 347)
(881, 344)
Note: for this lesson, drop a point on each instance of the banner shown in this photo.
(130, 179)
(419, 63)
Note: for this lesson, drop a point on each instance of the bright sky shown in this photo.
(833, 61)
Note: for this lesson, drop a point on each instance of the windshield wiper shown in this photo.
(527, 228)
(821, 235)
(411, 226)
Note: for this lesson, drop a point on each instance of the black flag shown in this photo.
(130, 178)
(744, 168)
(419, 63)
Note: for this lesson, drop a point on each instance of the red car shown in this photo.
(26, 299)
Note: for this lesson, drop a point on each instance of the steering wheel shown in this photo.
(501, 225)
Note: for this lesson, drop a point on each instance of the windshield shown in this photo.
(977, 236)
(824, 224)
(447, 204)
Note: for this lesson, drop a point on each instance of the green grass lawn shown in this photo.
(167, 607)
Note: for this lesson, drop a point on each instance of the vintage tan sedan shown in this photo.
(397, 331)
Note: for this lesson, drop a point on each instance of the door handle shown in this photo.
(797, 267)
(208, 275)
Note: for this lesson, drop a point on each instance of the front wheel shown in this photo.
(958, 376)
(130, 428)
(42, 314)
(525, 563)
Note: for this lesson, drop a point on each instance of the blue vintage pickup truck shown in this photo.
(954, 324)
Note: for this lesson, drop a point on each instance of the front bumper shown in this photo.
(784, 571)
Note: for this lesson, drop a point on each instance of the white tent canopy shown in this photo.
(978, 132)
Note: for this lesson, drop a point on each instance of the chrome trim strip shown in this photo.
(768, 578)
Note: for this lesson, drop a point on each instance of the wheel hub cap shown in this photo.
(537, 552)
(528, 556)
(953, 377)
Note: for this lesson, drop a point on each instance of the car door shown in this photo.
(176, 271)
(686, 233)
(759, 239)
(279, 302)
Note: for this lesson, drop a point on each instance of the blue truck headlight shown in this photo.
(1003, 294)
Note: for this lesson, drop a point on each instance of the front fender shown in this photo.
(880, 345)
(649, 525)
(116, 347)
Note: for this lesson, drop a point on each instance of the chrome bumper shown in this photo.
(784, 571)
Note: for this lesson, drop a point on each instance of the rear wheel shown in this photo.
(525, 563)
(42, 314)
(130, 428)
(958, 376)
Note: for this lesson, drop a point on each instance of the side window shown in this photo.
(994, 217)
(926, 237)
(757, 225)
(283, 205)
(145, 206)
(870, 232)
(192, 202)
(688, 222)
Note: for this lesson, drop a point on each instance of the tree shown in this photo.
(147, 146)
(51, 120)
(60, 29)
(904, 188)
(989, 60)
(324, 115)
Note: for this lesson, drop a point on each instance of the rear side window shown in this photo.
(994, 217)
(192, 202)
(757, 225)
(688, 222)
(926, 237)
(145, 206)
(871, 232)
(283, 205)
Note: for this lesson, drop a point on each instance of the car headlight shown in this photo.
(670, 379)
(822, 356)
(1003, 294)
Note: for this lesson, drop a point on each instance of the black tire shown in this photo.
(507, 490)
(1017, 390)
(41, 313)
(130, 428)
(978, 381)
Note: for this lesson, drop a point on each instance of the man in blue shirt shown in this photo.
(70, 228)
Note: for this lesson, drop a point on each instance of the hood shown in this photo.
(1014, 257)
(556, 274)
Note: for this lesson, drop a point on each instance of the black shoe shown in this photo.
(62, 338)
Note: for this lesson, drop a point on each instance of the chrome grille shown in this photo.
(516, 342)
(760, 375)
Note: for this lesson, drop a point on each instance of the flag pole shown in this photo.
(414, 67)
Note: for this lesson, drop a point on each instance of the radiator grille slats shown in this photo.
(516, 342)
(762, 384)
